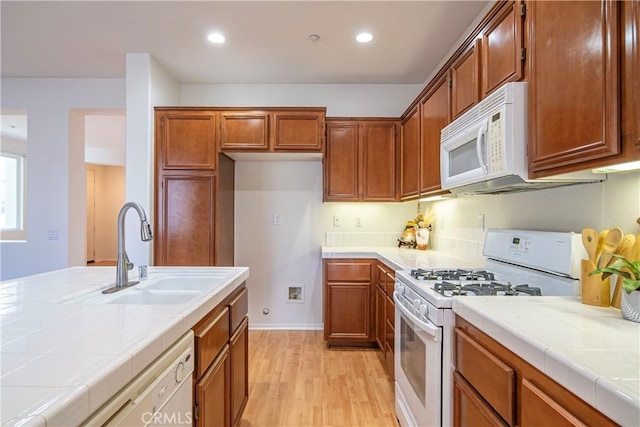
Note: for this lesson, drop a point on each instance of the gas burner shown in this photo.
(529, 290)
(450, 274)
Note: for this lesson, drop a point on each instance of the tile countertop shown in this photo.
(398, 258)
(61, 361)
(589, 350)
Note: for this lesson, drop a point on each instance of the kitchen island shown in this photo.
(63, 355)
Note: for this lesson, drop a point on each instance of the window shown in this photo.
(13, 163)
(12, 196)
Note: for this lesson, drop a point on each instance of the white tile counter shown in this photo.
(591, 351)
(398, 258)
(62, 361)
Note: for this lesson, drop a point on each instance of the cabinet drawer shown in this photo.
(470, 409)
(238, 309)
(542, 409)
(211, 336)
(349, 271)
(492, 378)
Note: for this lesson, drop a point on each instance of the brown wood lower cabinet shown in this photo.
(221, 375)
(492, 386)
(212, 394)
(349, 302)
(239, 345)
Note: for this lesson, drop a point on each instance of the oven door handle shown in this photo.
(427, 327)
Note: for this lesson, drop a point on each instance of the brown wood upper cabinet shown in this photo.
(272, 129)
(434, 115)
(503, 51)
(360, 162)
(410, 155)
(187, 140)
(465, 79)
(574, 90)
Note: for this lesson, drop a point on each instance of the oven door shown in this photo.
(463, 156)
(418, 367)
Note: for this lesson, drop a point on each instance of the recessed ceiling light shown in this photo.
(364, 37)
(216, 38)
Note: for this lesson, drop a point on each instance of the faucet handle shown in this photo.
(128, 263)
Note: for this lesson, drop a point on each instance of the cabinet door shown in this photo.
(574, 83)
(469, 409)
(349, 316)
(298, 131)
(502, 44)
(244, 130)
(631, 79)
(239, 368)
(538, 409)
(212, 394)
(465, 80)
(378, 161)
(381, 317)
(341, 162)
(185, 219)
(410, 156)
(186, 140)
(434, 116)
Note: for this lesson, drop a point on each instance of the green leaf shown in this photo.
(630, 285)
(608, 271)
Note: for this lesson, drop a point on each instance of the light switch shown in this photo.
(277, 219)
(336, 221)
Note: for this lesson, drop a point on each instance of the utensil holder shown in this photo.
(595, 291)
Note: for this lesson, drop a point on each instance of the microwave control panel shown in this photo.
(496, 143)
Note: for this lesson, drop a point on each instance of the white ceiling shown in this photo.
(267, 41)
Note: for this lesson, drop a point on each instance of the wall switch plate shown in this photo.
(277, 219)
(358, 222)
(336, 221)
(53, 234)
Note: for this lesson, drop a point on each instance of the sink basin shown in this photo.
(154, 297)
(175, 288)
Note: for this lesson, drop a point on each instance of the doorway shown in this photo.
(104, 140)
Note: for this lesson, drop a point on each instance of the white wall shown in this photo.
(55, 166)
(340, 100)
(614, 202)
(289, 254)
(148, 85)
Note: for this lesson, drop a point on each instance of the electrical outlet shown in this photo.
(358, 222)
(277, 219)
(336, 221)
(54, 234)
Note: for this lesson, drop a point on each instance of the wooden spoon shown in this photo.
(611, 242)
(590, 242)
(600, 245)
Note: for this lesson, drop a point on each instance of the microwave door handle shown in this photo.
(481, 134)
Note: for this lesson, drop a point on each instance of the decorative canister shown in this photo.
(630, 305)
(422, 238)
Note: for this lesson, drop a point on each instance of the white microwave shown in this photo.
(488, 141)
(485, 149)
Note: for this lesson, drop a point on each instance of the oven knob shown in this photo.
(424, 310)
(416, 304)
(399, 288)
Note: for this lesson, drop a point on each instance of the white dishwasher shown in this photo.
(161, 395)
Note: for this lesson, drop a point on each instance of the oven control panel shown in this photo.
(520, 244)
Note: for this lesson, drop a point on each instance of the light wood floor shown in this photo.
(295, 380)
